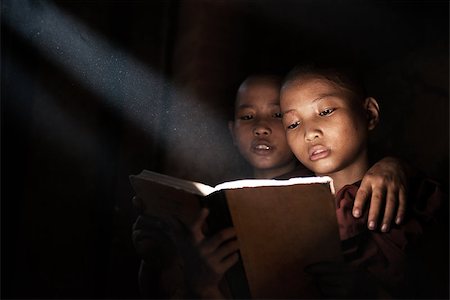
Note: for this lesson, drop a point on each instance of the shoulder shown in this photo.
(349, 226)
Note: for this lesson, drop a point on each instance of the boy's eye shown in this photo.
(246, 117)
(326, 112)
(294, 125)
(277, 115)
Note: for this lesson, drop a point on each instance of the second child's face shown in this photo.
(325, 128)
(258, 131)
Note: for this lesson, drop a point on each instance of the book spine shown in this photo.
(219, 216)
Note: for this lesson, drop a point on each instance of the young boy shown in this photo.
(258, 133)
(327, 119)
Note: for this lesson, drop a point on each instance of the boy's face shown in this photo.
(326, 129)
(257, 129)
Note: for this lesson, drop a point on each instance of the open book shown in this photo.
(281, 225)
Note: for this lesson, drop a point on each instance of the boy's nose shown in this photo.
(312, 134)
(261, 129)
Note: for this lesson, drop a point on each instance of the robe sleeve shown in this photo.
(390, 259)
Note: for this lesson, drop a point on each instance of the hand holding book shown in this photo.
(209, 258)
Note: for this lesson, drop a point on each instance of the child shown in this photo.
(257, 131)
(327, 119)
(259, 135)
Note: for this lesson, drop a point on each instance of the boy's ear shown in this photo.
(373, 112)
(231, 129)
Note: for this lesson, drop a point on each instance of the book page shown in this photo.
(193, 187)
(166, 201)
(274, 182)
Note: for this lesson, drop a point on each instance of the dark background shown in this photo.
(92, 91)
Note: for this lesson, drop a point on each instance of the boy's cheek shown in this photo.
(296, 152)
(303, 158)
(300, 152)
(294, 142)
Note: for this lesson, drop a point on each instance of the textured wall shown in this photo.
(204, 68)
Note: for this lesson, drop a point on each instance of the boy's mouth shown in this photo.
(317, 152)
(261, 147)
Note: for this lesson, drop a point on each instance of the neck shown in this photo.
(350, 174)
(274, 172)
